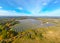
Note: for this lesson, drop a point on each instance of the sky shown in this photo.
(29, 7)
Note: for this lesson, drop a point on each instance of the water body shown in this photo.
(31, 24)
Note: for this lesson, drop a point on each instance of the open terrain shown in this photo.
(30, 30)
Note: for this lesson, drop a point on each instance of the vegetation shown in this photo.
(49, 34)
(5, 30)
(42, 35)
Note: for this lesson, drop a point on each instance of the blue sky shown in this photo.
(29, 7)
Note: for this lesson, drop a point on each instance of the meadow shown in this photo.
(30, 30)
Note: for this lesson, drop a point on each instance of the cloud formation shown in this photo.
(29, 7)
(11, 13)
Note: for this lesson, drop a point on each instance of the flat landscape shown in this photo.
(29, 30)
(29, 21)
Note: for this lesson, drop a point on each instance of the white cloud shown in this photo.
(38, 5)
(14, 13)
(44, 3)
(11, 13)
(51, 13)
(56, 2)
(1, 7)
(48, 13)
(20, 8)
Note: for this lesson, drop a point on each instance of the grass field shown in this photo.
(27, 31)
(41, 35)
